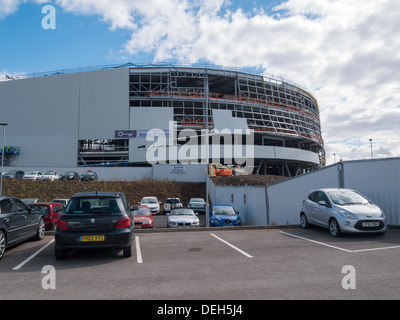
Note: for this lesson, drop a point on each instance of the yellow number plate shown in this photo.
(91, 238)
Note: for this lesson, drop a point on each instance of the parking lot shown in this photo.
(287, 263)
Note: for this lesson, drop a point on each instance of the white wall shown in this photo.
(47, 116)
(285, 198)
(378, 180)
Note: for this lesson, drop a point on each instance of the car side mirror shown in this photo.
(323, 203)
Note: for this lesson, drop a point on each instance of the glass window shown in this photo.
(7, 206)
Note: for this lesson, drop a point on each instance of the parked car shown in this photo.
(49, 175)
(70, 175)
(89, 176)
(64, 202)
(31, 200)
(182, 217)
(143, 217)
(342, 211)
(197, 205)
(18, 223)
(50, 211)
(152, 203)
(32, 175)
(172, 203)
(97, 219)
(224, 215)
(13, 174)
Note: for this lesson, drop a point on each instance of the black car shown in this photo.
(13, 174)
(89, 176)
(70, 175)
(92, 220)
(18, 223)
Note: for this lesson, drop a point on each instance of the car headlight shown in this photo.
(347, 214)
(195, 222)
(382, 216)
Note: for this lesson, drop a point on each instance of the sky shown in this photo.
(346, 53)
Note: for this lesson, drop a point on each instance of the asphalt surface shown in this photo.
(211, 264)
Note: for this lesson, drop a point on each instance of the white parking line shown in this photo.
(138, 251)
(338, 248)
(232, 246)
(32, 256)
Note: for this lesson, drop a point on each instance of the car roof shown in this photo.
(97, 193)
(331, 189)
(45, 204)
(222, 205)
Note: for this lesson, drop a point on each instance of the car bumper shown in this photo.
(225, 223)
(115, 239)
(143, 226)
(183, 225)
(358, 226)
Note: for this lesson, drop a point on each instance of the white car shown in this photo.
(49, 175)
(152, 203)
(32, 175)
(182, 218)
(172, 203)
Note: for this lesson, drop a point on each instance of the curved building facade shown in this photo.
(103, 117)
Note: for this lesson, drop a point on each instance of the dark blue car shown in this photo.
(224, 215)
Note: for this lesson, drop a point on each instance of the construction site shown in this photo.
(108, 113)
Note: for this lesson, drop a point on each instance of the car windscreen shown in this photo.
(149, 201)
(141, 212)
(182, 212)
(40, 209)
(342, 197)
(174, 201)
(95, 204)
(224, 210)
(197, 200)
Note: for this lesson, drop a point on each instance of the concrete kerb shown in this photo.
(229, 228)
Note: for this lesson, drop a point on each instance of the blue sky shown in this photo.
(345, 52)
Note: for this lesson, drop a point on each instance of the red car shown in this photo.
(50, 210)
(142, 217)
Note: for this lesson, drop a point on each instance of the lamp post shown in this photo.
(372, 155)
(207, 154)
(2, 156)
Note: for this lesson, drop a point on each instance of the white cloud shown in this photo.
(347, 52)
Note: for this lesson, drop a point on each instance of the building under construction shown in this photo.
(101, 116)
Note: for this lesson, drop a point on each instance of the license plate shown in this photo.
(91, 238)
(370, 224)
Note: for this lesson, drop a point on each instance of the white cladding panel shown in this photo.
(104, 103)
(47, 116)
(42, 117)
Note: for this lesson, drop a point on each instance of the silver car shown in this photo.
(182, 217)
(342, 211)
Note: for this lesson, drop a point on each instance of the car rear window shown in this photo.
(95, 204)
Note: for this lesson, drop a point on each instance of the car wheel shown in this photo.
(334, 228)
(41, 230)
(303, 221)
(60, 254)
(2, 244)
(127, 251)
